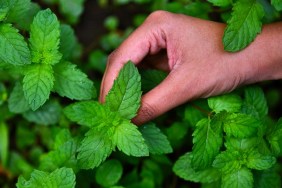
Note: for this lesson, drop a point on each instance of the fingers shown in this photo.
(167, 95)
(147, 39)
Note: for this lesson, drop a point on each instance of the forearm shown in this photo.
(263, 58)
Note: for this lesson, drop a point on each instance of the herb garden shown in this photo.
(55, 133)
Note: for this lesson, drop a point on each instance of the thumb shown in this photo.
(149, 38)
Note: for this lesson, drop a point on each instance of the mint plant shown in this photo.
(54, 132)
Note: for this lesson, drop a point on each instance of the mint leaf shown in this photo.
(72, 83)
(228, 161)
(71, 9)
(95, 148)
(48, 114)
(275, 137)
(45, 38)
(255, 102)
(207, 140)
(17, 102)
(63, 178)
(129, 140)
(4, 143)
(4, 9)
(277, 4)
(183, 169)
(243, 144)
(17, 9)
(228, 102)
(244, 25)
(220, 3)
(109, 173)
(63, 156)
(156, 141)
(241, 178)
(13, 48)
(68, 41)
(240, 125)
(87, 113)
(125, 95)
(258, 161)
(37, 84)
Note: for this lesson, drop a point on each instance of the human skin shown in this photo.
(195, 58)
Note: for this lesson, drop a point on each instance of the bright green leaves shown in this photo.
(13, 48)
(258, 161)
(125, 95)
(275, 137)
(45, 38)
(244, 25)
(129, 140)
(17, 102)
(109, 173)
(207, 141)
(255, 102)
(63, 177)
(72, 83)
(88, 113)
(241, 178)
(228, 102)
(183, 168)
(221, 3)
(95, 148)
(109, 124)
(155, 139)
(37, 84)
(241, 125)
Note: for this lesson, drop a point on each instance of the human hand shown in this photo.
(197, 64)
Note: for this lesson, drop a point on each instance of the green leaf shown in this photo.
(45, 38)
(228, 161)
(37, 84)
(62, 156)
(17, 9)
(228, 102)
(207, 140)
(221, 3)
(48, 114)
(4, 9)
(243, 144)
(275, 137)
(255, 102)
(63, 178)
(240, 125)
(267, 178)
(183, 169)
(4, 143)
(242, 178)
(156, 141)
(125, 95)
(258, 161)
(95, 148)
(244, 25)
(17, 102)
(13, 48)
(72, 83)
(71, 9)
(88, 113)
(277, 4)
(109, 173)
(129, 140)
(68, 41)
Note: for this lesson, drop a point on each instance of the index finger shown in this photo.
(149, 38)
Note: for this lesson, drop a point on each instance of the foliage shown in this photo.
(54, 132)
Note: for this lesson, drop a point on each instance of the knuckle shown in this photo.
(148, 112)
(157, 16)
